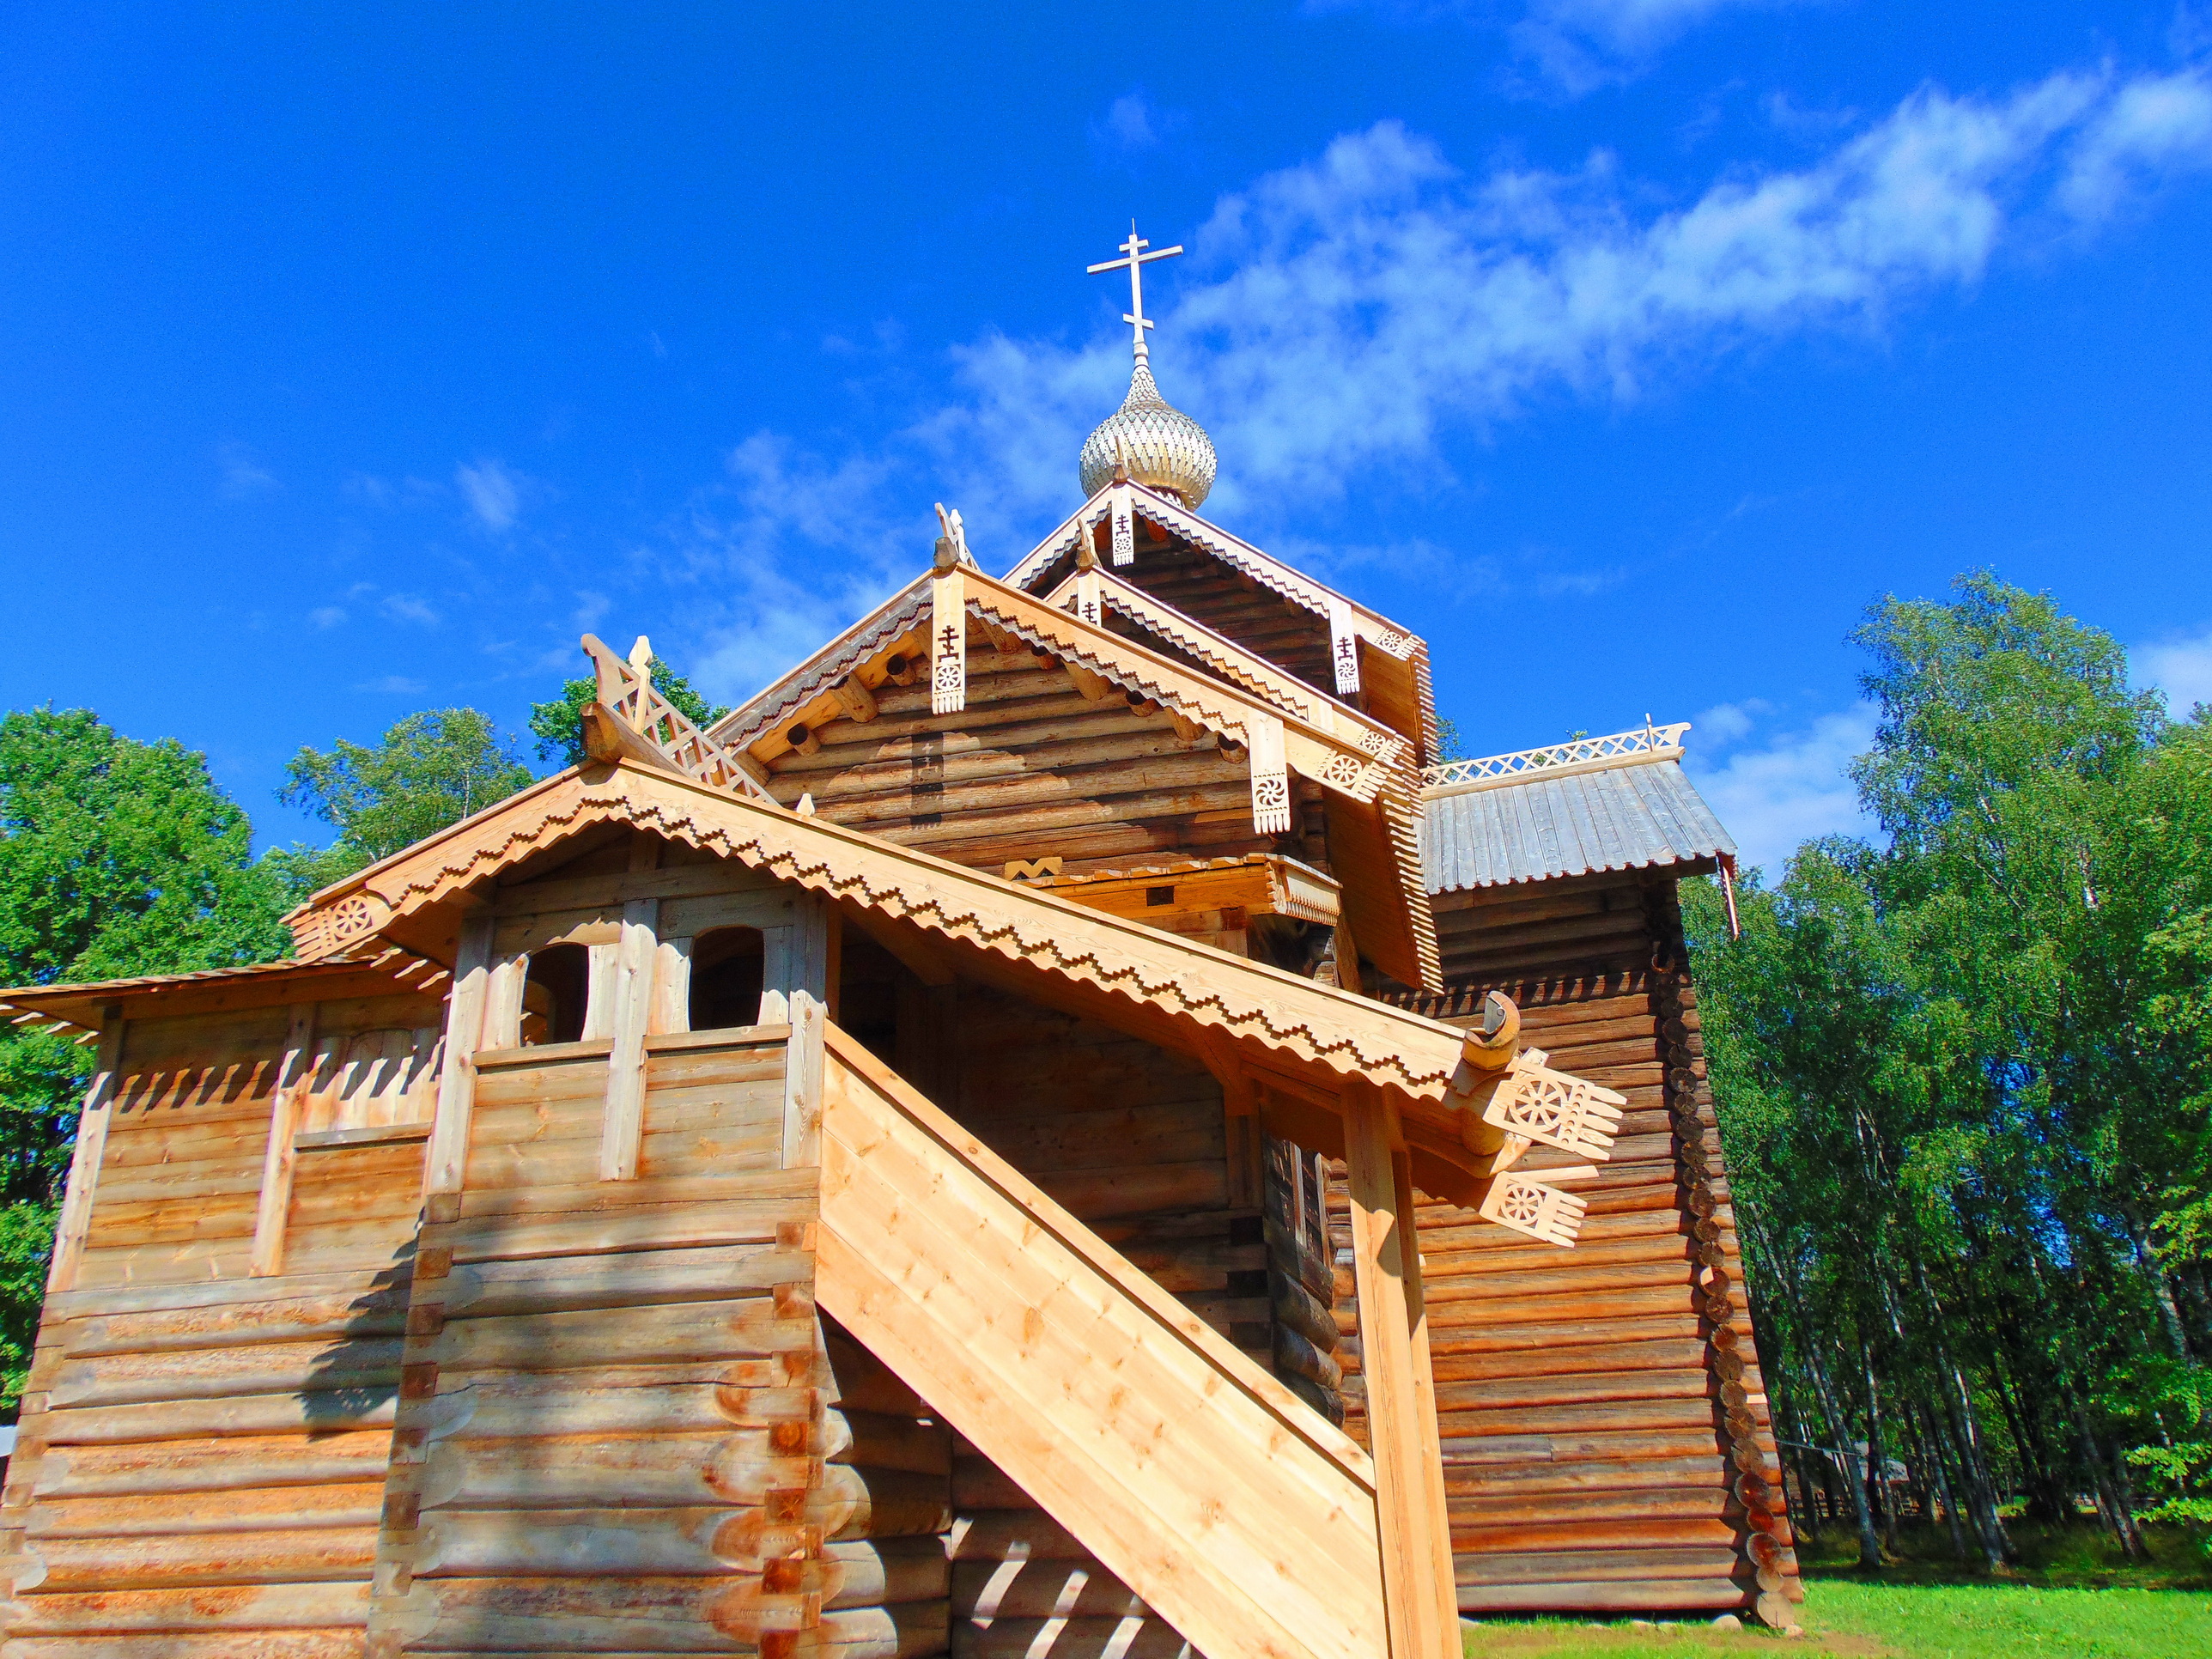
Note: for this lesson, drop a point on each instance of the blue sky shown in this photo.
(353, 364)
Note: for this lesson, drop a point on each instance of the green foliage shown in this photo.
(430, 770)
(556, 723)
(117, 858)
(1965, 1078)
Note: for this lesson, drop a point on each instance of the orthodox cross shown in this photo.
(1136, 259)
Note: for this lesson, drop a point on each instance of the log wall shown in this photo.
(1607, 1444)
(202, 1452)
(623, 1431)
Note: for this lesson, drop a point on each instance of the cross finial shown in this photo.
(1135, 260)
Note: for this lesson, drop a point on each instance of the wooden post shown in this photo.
(456, 1077)
(672, 987)
(1411, 1523)
(802, 1083)
(75, 1224)
(624, 1123)
(294, 1080)
(502, 1013)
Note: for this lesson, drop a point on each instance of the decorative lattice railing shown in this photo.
(1647, 739)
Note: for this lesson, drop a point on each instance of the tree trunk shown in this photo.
(1839, 1435)
(1935, 1465)
(2169, 1313)
(1877, 1459)
(1966, 1429)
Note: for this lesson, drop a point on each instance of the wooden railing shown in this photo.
(1646, 742)
(1232, 1507)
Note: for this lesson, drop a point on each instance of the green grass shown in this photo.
(2071, 1599)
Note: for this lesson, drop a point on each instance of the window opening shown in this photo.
(728, 969)
(554, 994)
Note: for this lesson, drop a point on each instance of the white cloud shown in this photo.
(1345, 315)
(1131, 123)
(326, 615)
(795, 548)
(2155, 124)
(1725, 723)
(1770, 799)
(1376, 297)
(2182, 668)
(405, 607)
(1576, 44)
(394, 685)
(243, 473)
(493, 492)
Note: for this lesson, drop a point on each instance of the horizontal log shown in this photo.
(705, 1331)
(1636, 1388)
(1582, 1534)
(1678, 1353)
(1594, 1566)
(268, 1556)
(320, 1605)
(341, 1643)
(680, 1223)
(1709, 1594)
(629, 1280)
(331, 1412)
(672, 1471)
(352, 1504)
(301, 1458)
(216, 1373)
(356, 1310)
(639, 1615)
(616, 1543)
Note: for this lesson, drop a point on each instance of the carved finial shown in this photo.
(951, 541)
(641, 655)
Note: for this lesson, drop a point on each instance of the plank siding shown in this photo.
(1606, 1440)
(201, 1456)
(1029, 765)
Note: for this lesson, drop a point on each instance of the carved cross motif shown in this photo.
(1134, 259)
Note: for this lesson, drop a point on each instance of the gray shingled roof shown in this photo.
(1620, 817)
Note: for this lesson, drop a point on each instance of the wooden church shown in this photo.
(1059, 1130)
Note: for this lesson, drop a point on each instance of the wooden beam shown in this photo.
(608, 738)
(457, 1079)
(295, 1077)
(75, 1224)
(622, 1126)
(855, 699)
(1413, 1526)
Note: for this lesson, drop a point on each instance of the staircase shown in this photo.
(1212, 1492)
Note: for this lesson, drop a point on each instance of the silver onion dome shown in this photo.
(1164, 447)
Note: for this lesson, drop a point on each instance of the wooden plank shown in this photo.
(803, 1083)
(75, 1222)
(276, 1195)
(1415, 1527)
(1060, 1361)
(464, 1024)
(632, 1008)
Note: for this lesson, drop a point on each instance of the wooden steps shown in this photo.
(1205, 1488)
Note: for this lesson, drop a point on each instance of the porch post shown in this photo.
(1413, 1527)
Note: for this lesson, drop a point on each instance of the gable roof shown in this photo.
(1246, 1001)
(1616, 803)
(1352, 625)
(1346, 752)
